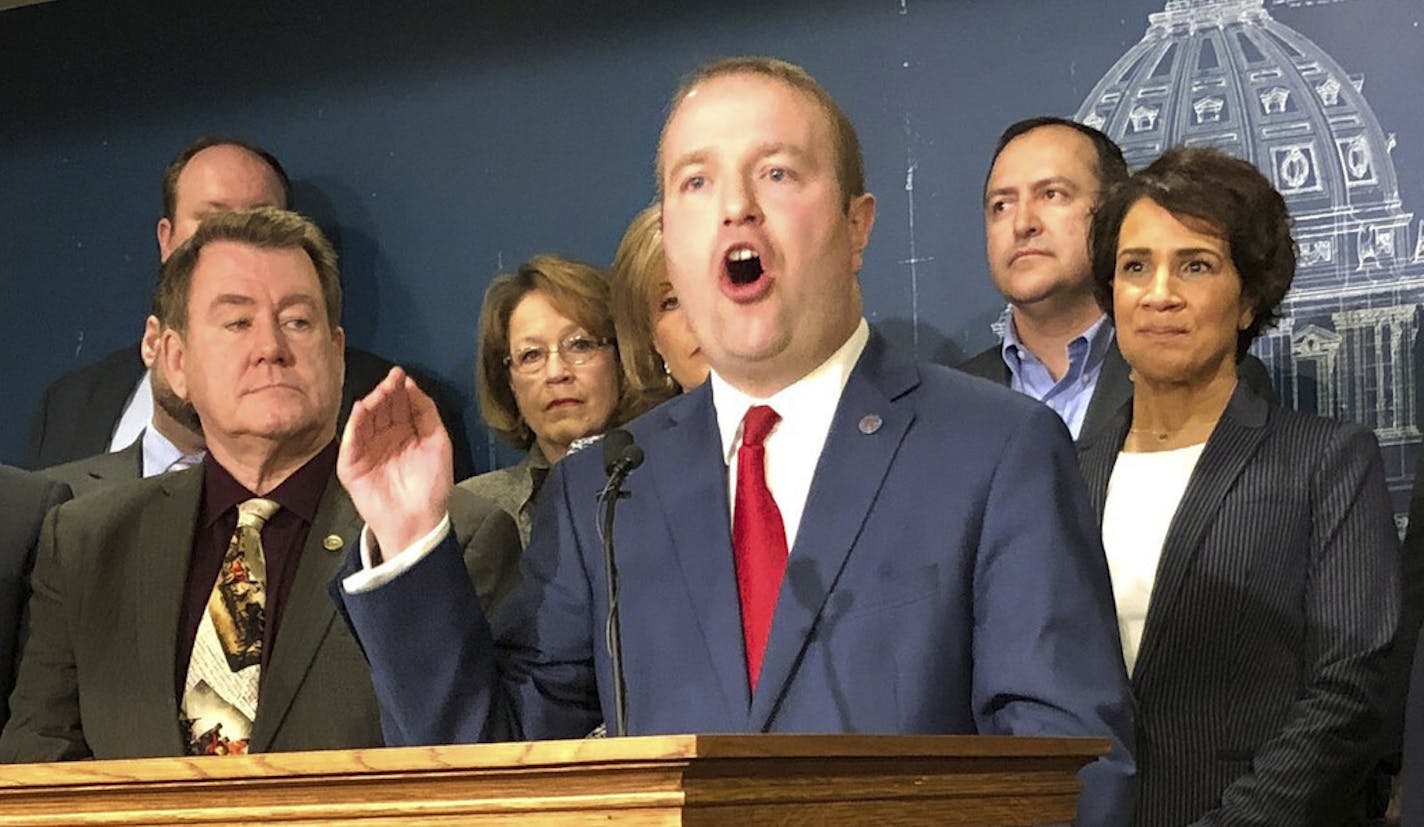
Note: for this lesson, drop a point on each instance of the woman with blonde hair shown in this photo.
(660, 356)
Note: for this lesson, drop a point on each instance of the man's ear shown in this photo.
(165, 238)
(861, 214)
(170, 350)
(149, 344)
(338, 338)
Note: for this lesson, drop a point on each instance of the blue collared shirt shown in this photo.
(1069, 396)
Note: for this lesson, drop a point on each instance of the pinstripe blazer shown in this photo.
(1261, 669)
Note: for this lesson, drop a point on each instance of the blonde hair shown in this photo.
(637, 273)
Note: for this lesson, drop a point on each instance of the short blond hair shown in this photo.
(849, 161)
(577, 290)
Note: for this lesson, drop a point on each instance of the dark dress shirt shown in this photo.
(282, 539)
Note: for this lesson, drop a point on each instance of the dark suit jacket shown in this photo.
(97, 677)
(79, 411)
(1261, 670)
(1114, 385)
(101, 470)
(1412, 784)
(1412, 774)
(24, 500)
(947, 577)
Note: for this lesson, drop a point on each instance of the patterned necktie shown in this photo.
(220, 692)
(758, 538)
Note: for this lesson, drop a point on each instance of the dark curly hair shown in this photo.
(1233, 199)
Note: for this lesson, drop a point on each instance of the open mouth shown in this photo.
(743, 266)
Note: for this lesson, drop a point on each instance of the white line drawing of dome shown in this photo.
(1225, 73)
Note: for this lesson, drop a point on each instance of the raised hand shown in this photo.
(395, 462)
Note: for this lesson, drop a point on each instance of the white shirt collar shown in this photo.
(816, 393)
(161, 455)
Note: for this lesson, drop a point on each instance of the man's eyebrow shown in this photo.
(296, 299)
(781, 148)
(1035, 186)
(232, 299)
(989, 194)
(687, 159)
(1055, 179)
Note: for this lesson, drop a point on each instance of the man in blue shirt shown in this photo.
(1058, 347)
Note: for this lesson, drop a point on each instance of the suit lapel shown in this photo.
(848, 476)
(1098, 450)
(308, 612)
(126, 464)
(94, 426)
(164, 556)
(1112, 391)
(1228, 450)
(692, 487)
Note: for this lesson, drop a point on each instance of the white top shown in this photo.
(793, 448)
(138, 412)
(1143, 495)
(160, 455)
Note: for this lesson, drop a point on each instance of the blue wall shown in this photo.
(443, 141)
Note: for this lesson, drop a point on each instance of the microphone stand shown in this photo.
(618, 466)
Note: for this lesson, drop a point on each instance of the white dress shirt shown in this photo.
(793, 449)
(138, 412)
(1143, 494)
(160, 455)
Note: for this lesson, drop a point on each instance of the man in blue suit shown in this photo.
(824, 537)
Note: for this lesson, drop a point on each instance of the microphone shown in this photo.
(620, 453)
(620, 456)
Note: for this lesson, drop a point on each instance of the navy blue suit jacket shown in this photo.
(947, 577)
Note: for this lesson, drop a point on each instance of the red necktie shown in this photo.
(758, 538)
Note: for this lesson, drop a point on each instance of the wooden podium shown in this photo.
(742, 780)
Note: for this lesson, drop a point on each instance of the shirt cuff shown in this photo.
(373, 576)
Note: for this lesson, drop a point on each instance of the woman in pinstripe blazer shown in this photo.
(1253, 551)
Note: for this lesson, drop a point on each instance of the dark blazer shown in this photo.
(1261, 670)
(24, 500)
(101, 470)
(97, 677)
(79, 411)
(1114, 387)
(1412, 782)
(947, 577)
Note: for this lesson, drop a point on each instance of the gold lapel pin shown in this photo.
(333, 542)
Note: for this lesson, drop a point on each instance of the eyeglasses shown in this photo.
(578, 349)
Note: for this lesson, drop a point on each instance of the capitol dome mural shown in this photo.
(1224, 73)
